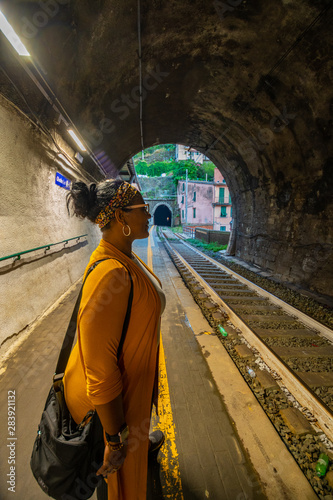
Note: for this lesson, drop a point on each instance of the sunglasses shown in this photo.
(144, 205)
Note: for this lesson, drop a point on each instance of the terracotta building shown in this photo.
(200, 195)
(208, 203)
(222, 207)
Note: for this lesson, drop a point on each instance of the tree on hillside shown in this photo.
(162, 152)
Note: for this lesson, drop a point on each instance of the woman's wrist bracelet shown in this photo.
(115, 446)
(120, 437)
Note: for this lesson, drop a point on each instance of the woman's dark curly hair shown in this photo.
(86, 202)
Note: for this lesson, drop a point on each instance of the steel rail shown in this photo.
(296, 387)
(293, 311)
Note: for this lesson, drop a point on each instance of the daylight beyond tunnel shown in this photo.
(162, 216)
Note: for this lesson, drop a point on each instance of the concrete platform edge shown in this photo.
(276, 468)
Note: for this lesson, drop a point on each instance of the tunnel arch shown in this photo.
(167, 212)
(259, 107)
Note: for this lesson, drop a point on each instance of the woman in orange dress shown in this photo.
(121, 390)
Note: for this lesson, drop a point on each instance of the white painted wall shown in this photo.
(184, 153)
(33, 213)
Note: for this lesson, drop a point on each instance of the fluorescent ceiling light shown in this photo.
(63, 158)
(10, 34)
(77, 140)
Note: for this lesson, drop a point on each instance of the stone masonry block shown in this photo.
(243, 351)
(219, 315)
(329, 478)
(266, 380)
(296, 421)
(209, 305)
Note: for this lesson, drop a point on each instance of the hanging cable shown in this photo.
(298, 40)
(140, 74)
(51, 98)
(38, 123)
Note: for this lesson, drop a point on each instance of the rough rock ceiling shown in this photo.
(209, 68)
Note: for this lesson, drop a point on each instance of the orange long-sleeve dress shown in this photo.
(94, 376)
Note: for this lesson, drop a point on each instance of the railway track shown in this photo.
(266, 333)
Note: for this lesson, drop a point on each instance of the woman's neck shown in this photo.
(118, 241)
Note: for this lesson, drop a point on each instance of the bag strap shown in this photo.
(71, 329)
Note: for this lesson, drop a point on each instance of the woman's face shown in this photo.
(137, 218)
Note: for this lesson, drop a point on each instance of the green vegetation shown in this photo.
(177, 169)
(162, 152)
(160, 160)
(214, 247)
(177, 229)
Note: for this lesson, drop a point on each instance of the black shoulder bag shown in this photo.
(66, 456)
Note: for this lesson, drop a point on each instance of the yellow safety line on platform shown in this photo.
(168, 457)
(149, 250)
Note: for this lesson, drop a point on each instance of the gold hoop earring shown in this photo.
(129, 230)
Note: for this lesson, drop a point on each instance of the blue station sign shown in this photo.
(61, 181)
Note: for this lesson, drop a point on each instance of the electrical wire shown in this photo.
(38, 123)
(63, 113)
(298, 40)
(52, 101)
(140, 74)
(270, 72)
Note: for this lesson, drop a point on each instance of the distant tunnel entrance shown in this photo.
(162, 216)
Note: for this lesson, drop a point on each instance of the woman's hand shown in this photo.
(113, 460)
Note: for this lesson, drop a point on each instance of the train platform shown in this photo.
(219, 443)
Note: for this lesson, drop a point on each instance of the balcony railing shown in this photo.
(222, 201)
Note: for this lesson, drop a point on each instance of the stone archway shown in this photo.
(162, 214)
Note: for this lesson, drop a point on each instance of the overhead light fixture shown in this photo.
(12, 37)
(78, 157)
(63, 158)
(76, 139)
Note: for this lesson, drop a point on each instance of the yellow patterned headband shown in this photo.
(121, 198)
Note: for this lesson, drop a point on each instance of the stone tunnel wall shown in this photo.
(33, 214)
(285, 226)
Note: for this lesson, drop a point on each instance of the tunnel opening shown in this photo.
(192, 186)
(162, 216)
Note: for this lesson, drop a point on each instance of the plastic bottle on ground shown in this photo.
(251, 372)
(222, 331)
(322, 465)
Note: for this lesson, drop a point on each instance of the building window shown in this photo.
(183, 199)
(182, 214)
(223, 182)
(183, 186)
(222, 228)
(223, 212)
(195, 196)
(229, 198)
(221, 195)
(194, 213)
(230, 211)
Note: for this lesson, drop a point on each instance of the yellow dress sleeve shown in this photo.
(100, 324)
